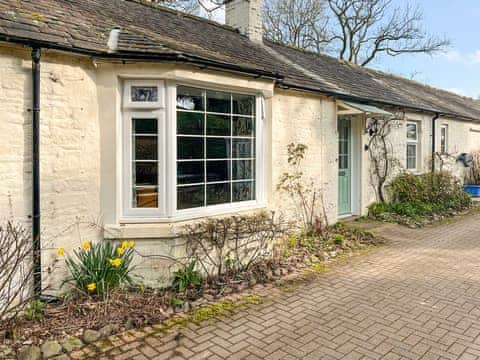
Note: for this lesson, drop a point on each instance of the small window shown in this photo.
(412, 146)
(444, 139)
(144, 94)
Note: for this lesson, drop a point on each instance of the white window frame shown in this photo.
(412, 142)
(444, 144)
(167, 141)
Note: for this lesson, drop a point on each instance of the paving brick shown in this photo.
(415, 298)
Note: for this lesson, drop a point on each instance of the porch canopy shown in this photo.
(352, 108)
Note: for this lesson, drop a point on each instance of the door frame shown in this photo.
(356, 122)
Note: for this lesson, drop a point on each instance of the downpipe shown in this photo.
(434, 120)
(37, 256)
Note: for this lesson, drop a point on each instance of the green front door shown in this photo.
(344, 166)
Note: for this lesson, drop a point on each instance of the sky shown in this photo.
(458, 69)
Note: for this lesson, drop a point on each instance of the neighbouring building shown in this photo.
(150, 118)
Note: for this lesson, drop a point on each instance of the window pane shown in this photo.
(146, 147)
(145, 197)
(144, 126)
(411, 156)
(243, 191)
(243, 126)
(411, 150)
(189, 147)
(190, 98)
(243, 104)
(343, 162)
(243, 148)
(218, 170)
(190, 197)
(190, 172)
(218, 193)
(145, 173)
(190, 123)
(218, 125)
(144, 93)
(412, 131)
(218, 148)
(218, 102)
(243, 169)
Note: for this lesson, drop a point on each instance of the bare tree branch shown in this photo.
(358, 31)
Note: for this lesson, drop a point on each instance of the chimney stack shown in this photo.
(246, 16)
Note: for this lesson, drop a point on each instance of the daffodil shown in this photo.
(61, 251)
(124, 244)
(120, 251)
(91, 287)
(131, 244)
(86, 246)
(115, 262)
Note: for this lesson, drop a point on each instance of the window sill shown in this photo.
(165, 228)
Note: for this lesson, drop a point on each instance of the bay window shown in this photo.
(200, 152)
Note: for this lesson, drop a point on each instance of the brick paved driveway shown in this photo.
(416, 298)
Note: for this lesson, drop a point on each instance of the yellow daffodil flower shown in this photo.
(86, 246)
(131, 244)
(120, 251)
(124, 244)
(115, 262)
(91, 287)
(61, 251)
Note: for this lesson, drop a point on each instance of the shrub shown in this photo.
(34, 310)
(231, 244)
(101, 267)
(423, 195)
(186, 278)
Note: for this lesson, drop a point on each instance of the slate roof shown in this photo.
(153, 33)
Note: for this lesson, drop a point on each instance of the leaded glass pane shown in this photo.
(243, 104)
(242, 169)
(218, 102)
(218, 193)
(218, 170)
(145, 126)
(189, 123)
(190, 197)
(190, 147)
(144, 93)
(412, 131)
(146, 147)
(218, 148)
(190, 98)
(243, 191)
(243, 126)
(243, 148)
(218, 125)
(145, 197)
(190, 172)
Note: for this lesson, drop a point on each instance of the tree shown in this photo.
(300, 23)
(354, 30)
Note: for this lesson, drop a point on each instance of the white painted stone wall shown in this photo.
(69, 150)
(302, 118)
(81, 150)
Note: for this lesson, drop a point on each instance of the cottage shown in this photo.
(141, 119)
